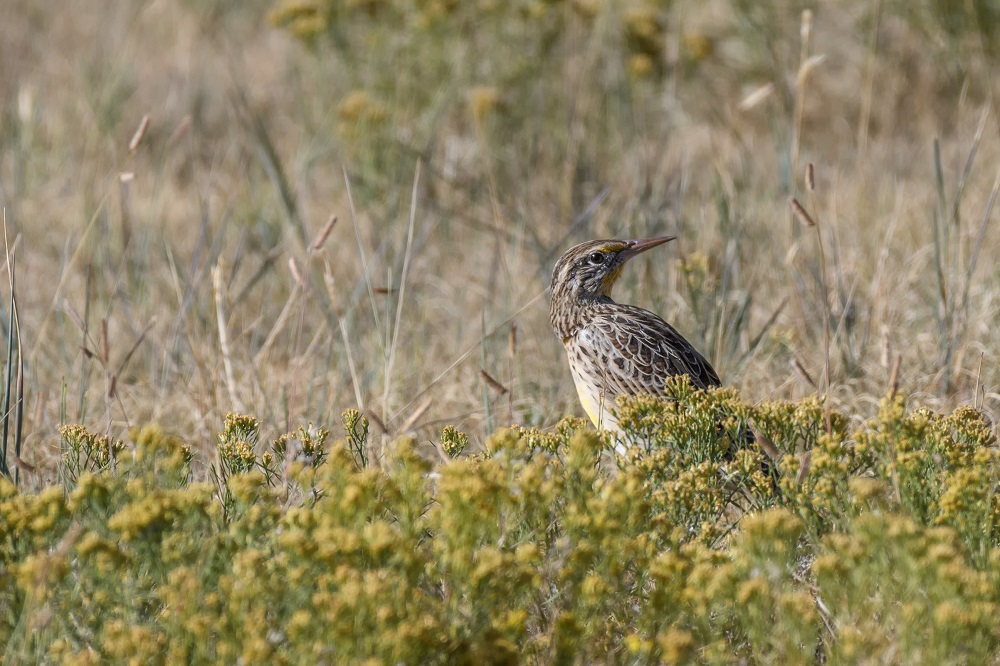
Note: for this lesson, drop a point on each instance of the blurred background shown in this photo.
(169, 171)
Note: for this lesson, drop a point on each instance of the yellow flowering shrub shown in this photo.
(702, 543)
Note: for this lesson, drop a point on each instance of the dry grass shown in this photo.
(175, 272)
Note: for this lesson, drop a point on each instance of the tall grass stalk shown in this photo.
(952, 268)
(10, 366)
(363, 256)
(16, 376)
(386, 395)
(227, 357)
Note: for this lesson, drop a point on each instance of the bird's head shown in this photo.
(590, 270)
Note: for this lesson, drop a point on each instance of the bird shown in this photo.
(615, 349)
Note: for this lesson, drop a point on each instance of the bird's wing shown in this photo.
(641, 351)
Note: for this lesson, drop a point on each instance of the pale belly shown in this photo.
(597, 405)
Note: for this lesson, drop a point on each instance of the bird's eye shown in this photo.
(596, 258)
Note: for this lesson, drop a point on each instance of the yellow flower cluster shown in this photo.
(83, 450)
(453, 441)
(543, 547)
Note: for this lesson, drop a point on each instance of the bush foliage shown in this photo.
(816, 541)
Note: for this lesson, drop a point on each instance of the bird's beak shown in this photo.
(637, 246)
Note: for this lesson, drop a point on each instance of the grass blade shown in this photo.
(10, 366)
(18, 424)
(402, 291)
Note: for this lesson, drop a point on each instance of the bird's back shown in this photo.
(625, 350)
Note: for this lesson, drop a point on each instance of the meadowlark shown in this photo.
(615, 349)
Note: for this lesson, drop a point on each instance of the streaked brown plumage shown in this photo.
(615, 349)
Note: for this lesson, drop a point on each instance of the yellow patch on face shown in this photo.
(610, 279)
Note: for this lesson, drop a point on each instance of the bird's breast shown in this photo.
(590, 386)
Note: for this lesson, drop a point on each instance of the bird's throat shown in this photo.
(610, 279)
